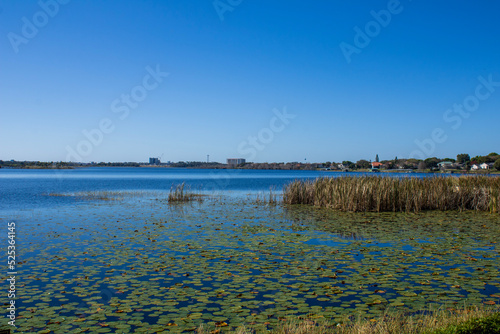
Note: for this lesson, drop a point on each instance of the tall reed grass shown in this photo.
(269, 199)
(180, 193)
(408, 194)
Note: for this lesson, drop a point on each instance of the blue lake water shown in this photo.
(137, 263)
(22, 189)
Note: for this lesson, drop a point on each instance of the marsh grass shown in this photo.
(99, 195)
(271, 198)
(441, 321)
(407, 194)
(181, 194)
(177, 194)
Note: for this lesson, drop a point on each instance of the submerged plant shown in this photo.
(104, 195)
(180, 194)
(267, 199)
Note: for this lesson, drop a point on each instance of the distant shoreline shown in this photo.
(40, 167)
(386, 171)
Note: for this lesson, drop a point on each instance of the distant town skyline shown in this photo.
(261, 81)
(433, 161)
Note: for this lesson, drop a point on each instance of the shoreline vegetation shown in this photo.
(368, 193)
(408, 194)
(179, 193)
(468, 320)
(300, 167)
(489, 164)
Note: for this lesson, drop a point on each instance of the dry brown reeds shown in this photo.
(180, 193)
(406, 194)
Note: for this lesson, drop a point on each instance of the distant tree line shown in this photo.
(62, 164)
(116, 164)
(281, 165)
(196, 164)
(36, 164)
(463, 161)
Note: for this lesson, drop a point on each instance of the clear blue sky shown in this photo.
(65, 68)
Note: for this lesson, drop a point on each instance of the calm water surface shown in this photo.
(22, 189)
(134, 263)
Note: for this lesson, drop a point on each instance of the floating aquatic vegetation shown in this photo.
(100, 195)
(145, 267)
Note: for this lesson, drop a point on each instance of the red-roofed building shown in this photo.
(376, 164)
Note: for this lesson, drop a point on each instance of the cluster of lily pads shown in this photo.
(144, 266)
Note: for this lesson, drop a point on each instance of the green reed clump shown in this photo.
(409, 194)
(181, 194)
(267, 199)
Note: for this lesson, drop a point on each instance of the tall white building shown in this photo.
(235, 162)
